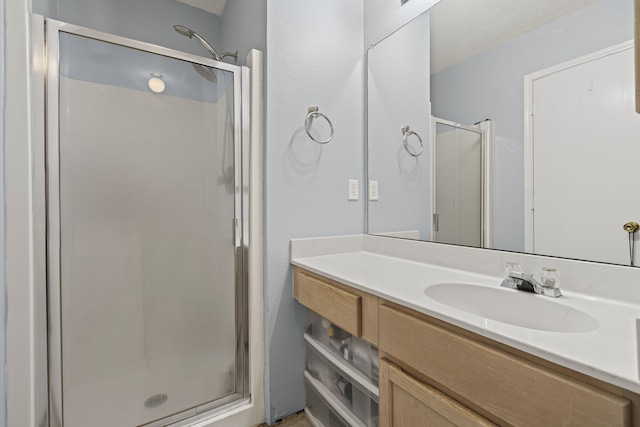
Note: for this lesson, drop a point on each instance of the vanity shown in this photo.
(443, 357)
(409, 325)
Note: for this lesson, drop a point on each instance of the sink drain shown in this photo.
(155, 400)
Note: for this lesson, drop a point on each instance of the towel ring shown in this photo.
(313, 114)
(407, 132)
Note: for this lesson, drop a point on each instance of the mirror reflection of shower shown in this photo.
(208, 74)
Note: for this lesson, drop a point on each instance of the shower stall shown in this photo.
(459, 183)
(146, 229)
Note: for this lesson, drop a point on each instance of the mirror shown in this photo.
(549, 86)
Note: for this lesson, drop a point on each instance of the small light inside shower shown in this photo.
(156, 83)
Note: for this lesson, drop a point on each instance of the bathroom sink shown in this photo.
(513, 307)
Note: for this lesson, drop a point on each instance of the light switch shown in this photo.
(353, 189)
(373, 190)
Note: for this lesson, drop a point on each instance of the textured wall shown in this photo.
(491, 85)
(314, 57)
(244, 27)
(3, 398)
(398, 95)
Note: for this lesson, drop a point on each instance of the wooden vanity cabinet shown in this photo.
(498, 386)
(435, 374)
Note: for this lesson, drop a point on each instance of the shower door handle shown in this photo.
(234, 232)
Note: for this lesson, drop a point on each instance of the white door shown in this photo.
(583, 119)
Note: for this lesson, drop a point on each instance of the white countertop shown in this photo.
(608, 353)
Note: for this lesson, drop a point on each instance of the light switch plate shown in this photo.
(373, 190)
(353, 189)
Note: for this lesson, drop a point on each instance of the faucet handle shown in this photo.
(549, 278)
(510, 268)
(550, 282)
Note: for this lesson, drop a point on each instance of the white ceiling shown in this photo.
(461, 29)
(212, 6)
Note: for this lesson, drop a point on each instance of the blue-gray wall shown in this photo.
(244, 27)
(399, 96)
(149, 21)
(314, 57)
(3, 301)
(491, 85)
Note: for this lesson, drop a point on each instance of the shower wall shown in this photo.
(149, 21)
(242, 26)
(159, 305)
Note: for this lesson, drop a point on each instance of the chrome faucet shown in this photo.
(526, 282)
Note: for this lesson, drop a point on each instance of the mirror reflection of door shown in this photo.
(583, 121)
(457, 184)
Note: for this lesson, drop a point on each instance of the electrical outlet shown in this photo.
(373, 190)
(353, 189)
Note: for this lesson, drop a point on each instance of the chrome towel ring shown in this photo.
(406, 133)
(314, 114)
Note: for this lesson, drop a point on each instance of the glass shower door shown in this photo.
(457, 184)
(145, 270)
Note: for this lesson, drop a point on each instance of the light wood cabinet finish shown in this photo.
(409, 403)
(352, 310)
(436, 371)
(508, 389)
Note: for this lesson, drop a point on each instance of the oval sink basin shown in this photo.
(513, 307)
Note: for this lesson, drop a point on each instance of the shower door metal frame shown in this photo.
(46, 37)
(483, 173)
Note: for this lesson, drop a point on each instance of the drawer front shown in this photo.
(341, 307)
(515, 391)
(407, 403)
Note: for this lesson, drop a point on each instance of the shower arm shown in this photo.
(234, 55)
(207, 46)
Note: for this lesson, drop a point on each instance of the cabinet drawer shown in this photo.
(406, 402)
(340, 306)
(512, 390)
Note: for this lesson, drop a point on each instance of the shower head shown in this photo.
(181, 29)
(205, 72)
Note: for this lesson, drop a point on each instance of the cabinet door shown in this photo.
(515, 391)
(406, 402)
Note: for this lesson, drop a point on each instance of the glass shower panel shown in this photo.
(147, 254)
(458, 186)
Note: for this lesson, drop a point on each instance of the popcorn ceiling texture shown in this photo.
(461, 29)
